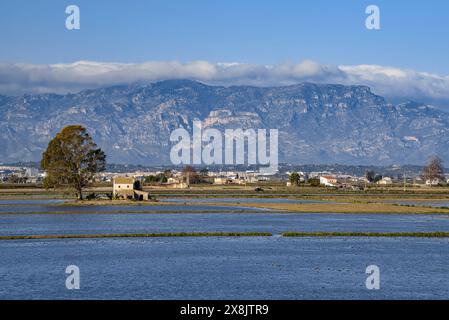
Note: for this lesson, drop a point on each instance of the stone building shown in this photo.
(123, 188)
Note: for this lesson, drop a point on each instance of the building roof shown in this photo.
(123, 180)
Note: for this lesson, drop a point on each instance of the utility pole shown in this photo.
(404, 180)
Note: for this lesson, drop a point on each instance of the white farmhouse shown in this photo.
(433, 182)
(385, 181)
(328, 181)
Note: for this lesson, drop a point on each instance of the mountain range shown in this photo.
(317, 123)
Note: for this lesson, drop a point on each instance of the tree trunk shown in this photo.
(80, 194)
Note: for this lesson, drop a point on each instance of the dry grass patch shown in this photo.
(343, 208)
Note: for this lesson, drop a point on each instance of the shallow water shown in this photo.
(20, 224)
(219, 268)
(30, 202)
(237, 200)
(128, 222)
(225, 268)
(24, 206)
(430, 203)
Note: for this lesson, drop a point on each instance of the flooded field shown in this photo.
(217, 268)
(225, 268)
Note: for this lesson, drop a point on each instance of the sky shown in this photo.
(283, 41)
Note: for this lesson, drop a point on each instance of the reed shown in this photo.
(138, 235)
(368, 234)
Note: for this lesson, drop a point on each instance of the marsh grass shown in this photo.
(368, 234)
(234, 234)
(139, 235)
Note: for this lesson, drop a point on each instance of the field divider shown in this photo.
(139, 235)
(233, 234)
(368, 234)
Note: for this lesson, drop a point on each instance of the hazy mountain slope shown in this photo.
(317, 123)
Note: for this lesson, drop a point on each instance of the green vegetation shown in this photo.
(372, 177)
(72, 159)
(294, 178)
(368, 234)
(314, 182)
(159, 178)
(139, 235)
(232, 234)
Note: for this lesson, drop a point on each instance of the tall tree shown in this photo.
(370, 175)
(434, 169)
(294, 178)
(72, 159)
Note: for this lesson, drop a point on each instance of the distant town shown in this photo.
(332, 176)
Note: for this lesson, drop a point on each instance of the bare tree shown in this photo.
(190, 175)
(434, 169)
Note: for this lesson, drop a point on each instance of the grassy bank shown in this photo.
(368, 234)
(139, 235)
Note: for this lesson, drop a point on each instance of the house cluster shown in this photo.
(237, 177)
(347, 181)
(20, 175)
(180, 180)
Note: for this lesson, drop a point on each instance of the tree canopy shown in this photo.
(294, 178)
(72, 159)
(371, 176)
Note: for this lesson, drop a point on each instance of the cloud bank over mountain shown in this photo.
(393, 83)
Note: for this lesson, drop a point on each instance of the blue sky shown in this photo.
(274, 43)
(414, 34)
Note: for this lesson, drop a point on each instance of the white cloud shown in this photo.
(16, 79)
